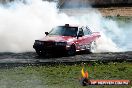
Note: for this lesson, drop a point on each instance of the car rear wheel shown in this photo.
(71, 51)
(93, 47)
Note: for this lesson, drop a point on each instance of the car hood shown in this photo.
(56, 38)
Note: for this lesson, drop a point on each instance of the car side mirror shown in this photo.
(80, 33)
(46, 33)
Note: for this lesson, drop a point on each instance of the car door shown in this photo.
(80, 40)
(87, 37)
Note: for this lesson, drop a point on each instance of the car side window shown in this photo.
(87, 31)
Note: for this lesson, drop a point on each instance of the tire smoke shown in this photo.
(21, 24)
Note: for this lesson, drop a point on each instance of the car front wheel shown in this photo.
(71, 51)
(40, 52)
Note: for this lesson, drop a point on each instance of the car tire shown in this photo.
(93, 47)
(71, 51)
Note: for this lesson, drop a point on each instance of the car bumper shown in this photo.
(53, 49)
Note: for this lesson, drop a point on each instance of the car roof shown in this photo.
(75, 25)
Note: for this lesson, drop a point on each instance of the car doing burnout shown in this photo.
(67, 39)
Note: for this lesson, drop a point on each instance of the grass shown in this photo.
(63, 76)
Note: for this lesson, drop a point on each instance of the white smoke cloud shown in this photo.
(97, 23)
(21, 24)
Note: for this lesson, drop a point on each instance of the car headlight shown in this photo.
(61, 43)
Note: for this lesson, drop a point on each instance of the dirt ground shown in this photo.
(116, 11)
(28, 58)
(112, 11)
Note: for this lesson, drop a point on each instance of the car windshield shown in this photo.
(64, 31)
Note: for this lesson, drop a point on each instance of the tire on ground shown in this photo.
(40, 52)
(93, 47)
(71, 51)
